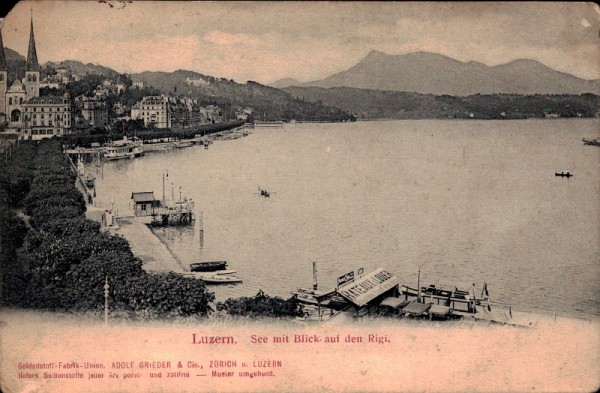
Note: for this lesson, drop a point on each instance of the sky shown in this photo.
(267, 41)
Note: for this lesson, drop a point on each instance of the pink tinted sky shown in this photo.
(305, 40)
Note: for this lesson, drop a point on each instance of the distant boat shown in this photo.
(563, 174)
(268, 124)
(264, 193)
(212, 266)
(182, 144)
(593, 142)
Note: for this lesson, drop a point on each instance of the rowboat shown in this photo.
(218, 272)
(218, 278)
(563, 174)
(212, 266)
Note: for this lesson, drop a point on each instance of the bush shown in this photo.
(261, 305)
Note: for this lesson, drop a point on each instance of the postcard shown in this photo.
(299, 197)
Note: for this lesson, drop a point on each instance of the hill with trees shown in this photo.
(268, 103)
(365, 103)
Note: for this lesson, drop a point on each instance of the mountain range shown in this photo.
(432, 73)
(415, 85)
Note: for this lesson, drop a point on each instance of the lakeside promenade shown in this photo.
(145, 245)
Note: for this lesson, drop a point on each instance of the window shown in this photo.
(20, 100)
(50, 132)
(9, 100)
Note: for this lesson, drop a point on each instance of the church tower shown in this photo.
(32, 70)
(3, 78)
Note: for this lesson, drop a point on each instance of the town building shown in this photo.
(45, 117)
(94, 111)
(21, 106)
(174, 112)
(153, 110)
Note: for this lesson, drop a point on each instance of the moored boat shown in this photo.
(182, 144)
(124, 148)
(211, 266)
(218, 278)
(456, 295)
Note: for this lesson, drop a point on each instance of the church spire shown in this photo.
(32, 61)
(3, 66)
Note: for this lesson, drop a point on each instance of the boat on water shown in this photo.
(218, 272)
(122, 149)
(218, 278)
(211, 266)
(563, 174)
(268, 124)
(458, 296)
(182, 144)
(264, 193)
(592, 142)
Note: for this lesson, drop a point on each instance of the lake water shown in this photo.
(473, 201)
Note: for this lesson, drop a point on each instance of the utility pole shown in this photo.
(419, 286)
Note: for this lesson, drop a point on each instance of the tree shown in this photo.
(261, 305)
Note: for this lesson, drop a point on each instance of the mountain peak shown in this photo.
(434, 73)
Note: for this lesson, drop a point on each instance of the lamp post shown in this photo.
(419, 286)
(106, 287)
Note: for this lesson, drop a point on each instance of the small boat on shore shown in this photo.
(563, 174)
(211, 266)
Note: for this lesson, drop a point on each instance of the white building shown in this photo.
(45, 117)
(153, 110)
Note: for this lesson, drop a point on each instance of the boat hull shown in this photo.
(208, 266)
